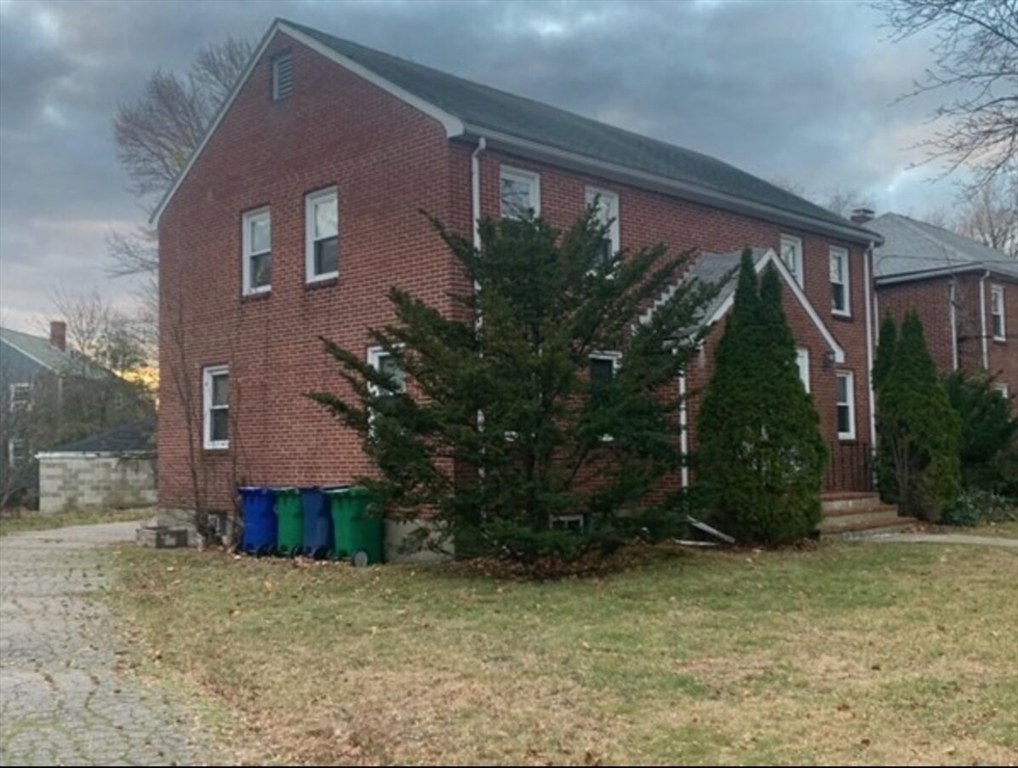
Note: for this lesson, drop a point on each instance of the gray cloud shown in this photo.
(792, 90)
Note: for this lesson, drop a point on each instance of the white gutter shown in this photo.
(867, 258)
(982, 318)
(143, 454)
(953, 320)
(683, 429)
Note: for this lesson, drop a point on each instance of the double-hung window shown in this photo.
(791, 255)
(16, 453)
(608, 214)
(603, 367)
(846, 405)
(20, 397)
(216, 406)
(386, 363)
(321, 225)
(839, 282)
(802, 361)
(997, 312)
(257, 248)
(519, 193)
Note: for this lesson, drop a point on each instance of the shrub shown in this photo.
(989, 434)
(973, 507)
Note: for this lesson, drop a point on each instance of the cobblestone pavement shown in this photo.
(62, 699)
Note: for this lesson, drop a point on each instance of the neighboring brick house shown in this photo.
(301, 208)
(965, 294)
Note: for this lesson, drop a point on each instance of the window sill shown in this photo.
(321, 282)
(1000, 339)
(255, 296)
(216, 448)
(841, 315)
(846, 438)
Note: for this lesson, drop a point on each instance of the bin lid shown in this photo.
(259, 489)
(336, 490)
(286, 490)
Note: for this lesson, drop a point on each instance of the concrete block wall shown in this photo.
(81, 482)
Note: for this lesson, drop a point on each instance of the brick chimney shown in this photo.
(58, 334)
(861, 216)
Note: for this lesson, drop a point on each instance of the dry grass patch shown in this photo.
(17, 521)
(853, 653)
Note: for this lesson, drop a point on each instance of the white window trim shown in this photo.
(616, 361)
(565, 520)
(310, 200)
(850, 375)
(796, 243)
(518, 174)
(10, 450)
(607, 195)
(838, 252)
(995, 291)
(21, 385)
(246, 254)
(802, 361)
(375, 355)
(207, 375)
(1002, 388)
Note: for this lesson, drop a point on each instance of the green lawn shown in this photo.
(1007, 529)
(31, 520)
(851, 653)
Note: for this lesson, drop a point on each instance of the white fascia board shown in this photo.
(771, 258)
(453, 125)
(95, 454)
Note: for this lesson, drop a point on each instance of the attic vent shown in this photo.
(282, 77)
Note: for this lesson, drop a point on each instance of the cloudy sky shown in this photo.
(798, 91)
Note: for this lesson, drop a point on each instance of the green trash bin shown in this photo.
(290, 537)
(358, 530)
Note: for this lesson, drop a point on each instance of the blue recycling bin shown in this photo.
(259, 520)
(319, 539)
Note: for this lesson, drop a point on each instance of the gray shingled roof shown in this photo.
(39, 349)
(132, 437)
(488, 108)
(914, 247)
(721, 268)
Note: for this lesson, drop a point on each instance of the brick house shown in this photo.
(301, 208)
(965, 294)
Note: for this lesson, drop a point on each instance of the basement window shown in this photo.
(282, 76)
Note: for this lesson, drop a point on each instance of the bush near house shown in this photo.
(918, 428)
(536, 419)
(761, 457)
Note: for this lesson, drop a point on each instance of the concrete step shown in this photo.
(863, 528)
(875, 512)
(836, 502)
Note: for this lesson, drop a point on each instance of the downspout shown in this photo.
(683, 429)
(953, 319)
(475, 190)
(866, 260)
(982, 319)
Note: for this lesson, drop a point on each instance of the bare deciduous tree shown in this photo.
(989, 215)
(156, 135)
(976, 68)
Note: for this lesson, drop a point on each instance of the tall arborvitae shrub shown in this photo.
(920, 429)
(887, 483)
(989, 433)
(761, 456)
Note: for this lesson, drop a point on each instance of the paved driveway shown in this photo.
(62, 700)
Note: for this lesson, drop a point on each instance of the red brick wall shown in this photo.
(930, 299)
(387, 160)
(647, 218)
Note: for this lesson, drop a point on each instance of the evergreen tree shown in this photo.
(920, 429)
(508, 432)
(989, 433)
(887, 483)
(760, 459)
